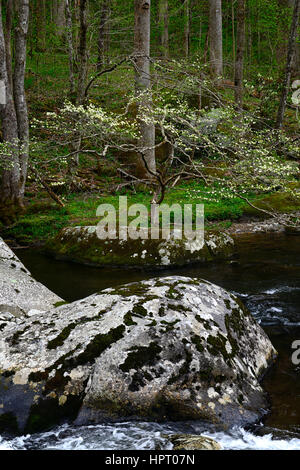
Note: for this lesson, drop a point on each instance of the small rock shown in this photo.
(192, 442)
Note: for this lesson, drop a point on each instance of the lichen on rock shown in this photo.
(20, 294)
(81, 244)
(166, 348)
(192, 442)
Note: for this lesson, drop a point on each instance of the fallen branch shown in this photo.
(46, 186)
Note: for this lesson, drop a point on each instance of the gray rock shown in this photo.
(192, 442)
(167, 348)
(20, 294)
(81, 244)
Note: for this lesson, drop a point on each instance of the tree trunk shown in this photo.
(103, 33)
(41, 25)
(215, 36)
(82, 52)
(187, 28)
(239, 64)
(142, 82)
(163, 18)
(296, 61)
(9, 156)
(289, 63)
(8, 27)
(60, 19)
(69, 35)
(19, 88)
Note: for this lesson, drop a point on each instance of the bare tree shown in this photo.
(215, 37)
(290, 58)
(142, 82)
(240, 41)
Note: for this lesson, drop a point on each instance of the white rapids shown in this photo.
(139, 436)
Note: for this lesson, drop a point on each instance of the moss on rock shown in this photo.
(81, 244)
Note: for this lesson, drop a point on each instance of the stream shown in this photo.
(266, 276)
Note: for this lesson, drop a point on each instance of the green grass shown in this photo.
(43, 218)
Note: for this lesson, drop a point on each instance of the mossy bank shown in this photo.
(82, 245)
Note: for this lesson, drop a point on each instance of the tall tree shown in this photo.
(240, 51)
(142, 10)
(14, 118)
(215, 37)
(69, 35)
(163, 14)
(289, 63)
(8, 28)
(41, 25)
(19, 87)
(187, 27)
(296, 61)
(103, 32)
(82, 51)
(59, 17)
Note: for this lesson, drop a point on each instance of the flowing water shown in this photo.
(266, 275)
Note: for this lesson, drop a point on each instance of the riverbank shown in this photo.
(43, 219)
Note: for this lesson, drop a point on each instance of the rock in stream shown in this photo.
(167, 348)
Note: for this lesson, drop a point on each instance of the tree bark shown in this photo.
(187, 28)
(289, 64)
(9, 158)
(19, 88)
(142, 82)
(103, 33)
(215, 36)
(69, 35)
(240, 51)
(60, 19)
(296, 61)
(8, 27)
(41, 25)
(82, 51)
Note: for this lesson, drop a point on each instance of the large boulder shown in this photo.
(20, 294)
(167, 348)
(82, 245)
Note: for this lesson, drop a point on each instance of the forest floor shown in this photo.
(43, 218)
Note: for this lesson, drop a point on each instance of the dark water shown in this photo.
(266, 275)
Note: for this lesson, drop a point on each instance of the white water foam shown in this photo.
(139, 436)
(245, 440)
(281, 289)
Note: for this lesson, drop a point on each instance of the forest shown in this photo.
(175, 101)
(121, 123)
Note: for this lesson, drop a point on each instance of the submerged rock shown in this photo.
(192, 442)
(20, 294)
(81, 244)
(167, 348)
